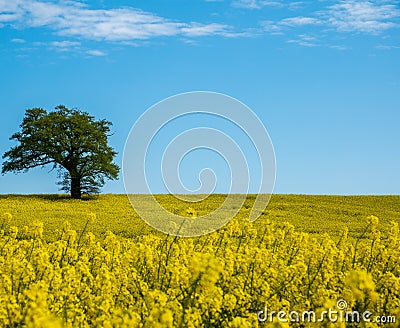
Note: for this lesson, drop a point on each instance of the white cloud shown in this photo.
(305, 40)
(362, 16)
(259, 4)
(255, 4)
(17, 40)
(271, 27)
(296, 5)
(9, 11)
(96, 53)
(74, 19)
(387, 47)
(65, 44)
(338, 47)
(274, 27)
(62, 46)
(197, 29)
(372, 17)
(300, 21)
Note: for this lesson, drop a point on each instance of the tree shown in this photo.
(69, 139)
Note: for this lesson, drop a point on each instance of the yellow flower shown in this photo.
(7, 217)
(191, 212)
(239, 322)
(361, 284)
(37, 229)
(13, 232)
(373, 220)
(92, 217)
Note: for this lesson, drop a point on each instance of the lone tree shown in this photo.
(69, 139)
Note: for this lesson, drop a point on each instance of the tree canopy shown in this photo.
(70, 140)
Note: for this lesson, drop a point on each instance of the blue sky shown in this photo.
(323, 76)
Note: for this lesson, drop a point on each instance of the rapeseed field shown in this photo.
(95, 263)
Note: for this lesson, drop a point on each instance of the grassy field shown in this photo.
(311, 214)
(95, 263)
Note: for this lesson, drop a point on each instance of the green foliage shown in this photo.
(72, 141)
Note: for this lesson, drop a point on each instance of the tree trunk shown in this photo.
(76, 192)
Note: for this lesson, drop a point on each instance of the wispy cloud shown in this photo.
(61, 46)
(362, 16)
(255, 4)
(346, 16)
(74, 19)
(305, 40)
(337, 47)
(387, 47)
(196, 29)
(259, 4)
(309, 41)
(17, 40)
(96, 53)
(271, 27)
(65, 44)
(300, 21)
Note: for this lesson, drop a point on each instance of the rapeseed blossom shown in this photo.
(218, 280)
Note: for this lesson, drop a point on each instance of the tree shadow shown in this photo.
(50, 197)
